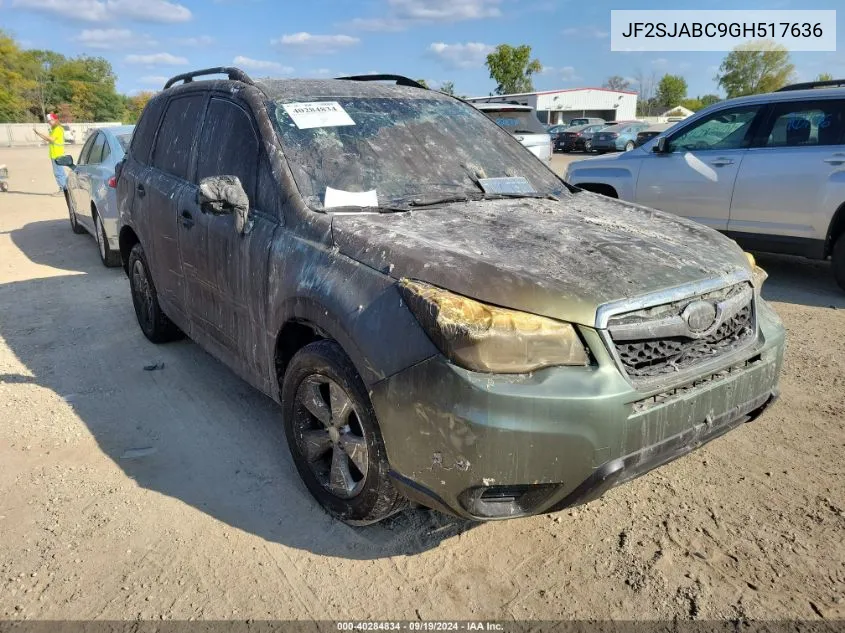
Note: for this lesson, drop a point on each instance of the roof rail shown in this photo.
(831, 83)
(399, 79)
(235, 74)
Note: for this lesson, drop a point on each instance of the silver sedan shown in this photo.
(90, 191)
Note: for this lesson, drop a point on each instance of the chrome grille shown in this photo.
(667, 338)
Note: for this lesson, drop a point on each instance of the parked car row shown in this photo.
(767, 170)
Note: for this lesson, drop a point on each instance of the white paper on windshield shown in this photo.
(340, 198)
(318, 114)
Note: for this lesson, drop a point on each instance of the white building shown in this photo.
(560, 106)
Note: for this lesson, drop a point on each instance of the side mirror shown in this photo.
(65, 161)
(662, 146)
(225, 195)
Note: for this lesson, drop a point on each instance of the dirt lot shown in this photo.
(127, 493)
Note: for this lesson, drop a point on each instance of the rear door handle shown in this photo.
(141, 191)
(836, 159)
(721, 162)
(187, 219)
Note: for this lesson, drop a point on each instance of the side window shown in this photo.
(142, 139)
(723, 130)
(175, 140)
(106, 149)
(86, 150)
(96, 155)
(802, 123)
(229, 145)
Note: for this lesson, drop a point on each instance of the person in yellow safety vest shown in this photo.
(56, 140)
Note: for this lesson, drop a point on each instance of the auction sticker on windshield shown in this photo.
(318, 114)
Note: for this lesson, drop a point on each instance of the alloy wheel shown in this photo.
(330, 436)
(143, 291)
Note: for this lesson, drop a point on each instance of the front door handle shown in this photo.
(187, 219)
(836, 159)
(721, 162)
(141, 191)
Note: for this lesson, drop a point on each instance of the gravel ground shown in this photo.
(127, 493)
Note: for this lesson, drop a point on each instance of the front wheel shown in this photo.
(155, 324)
(75, 226)
(110, 258)
(839, 261)
(629, 146)
(334, 437)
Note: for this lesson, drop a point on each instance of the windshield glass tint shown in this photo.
(516, 121)
(404, 149)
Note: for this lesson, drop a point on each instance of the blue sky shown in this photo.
(438, 40)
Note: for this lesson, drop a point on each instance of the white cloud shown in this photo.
(454, 56)
(586, 31)
(402, 14)
(113, 38)
(109, 10)
(202, 40)
(154, 59)
(154, 80)
(309, 44)
(564, 73)
(260, 64)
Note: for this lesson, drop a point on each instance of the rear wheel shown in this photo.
(109, 257)
(334, 437)
(75, 226)
(839, 261)
(153, 321)
(629, 146)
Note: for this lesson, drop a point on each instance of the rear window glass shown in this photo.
(142, 139)
(516, 121)
(175, 141)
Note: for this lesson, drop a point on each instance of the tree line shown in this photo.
(36, 82)
(751, 68)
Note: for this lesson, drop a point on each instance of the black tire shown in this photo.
(110, 258)
(839, 261)
(322, 370)
(75, 226)
(153, 321)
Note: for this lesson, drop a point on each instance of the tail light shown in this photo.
(579, 134)
(113, 182)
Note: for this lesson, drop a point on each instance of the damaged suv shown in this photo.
(441, 317)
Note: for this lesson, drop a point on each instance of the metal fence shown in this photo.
(21, 134)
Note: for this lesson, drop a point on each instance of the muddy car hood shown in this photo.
(558, 259)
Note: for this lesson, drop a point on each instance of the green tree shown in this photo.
(708, 100)
(671, 90)
(135, 105)
(824, 77)
(616, 82)
(755, 67)
(693, 104)
(423, 83)
(448, 87)
(15, 81)
(511, 67)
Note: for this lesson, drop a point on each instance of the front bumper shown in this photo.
(496, 446)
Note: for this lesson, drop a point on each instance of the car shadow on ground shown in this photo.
(800, 281)
(189, 429)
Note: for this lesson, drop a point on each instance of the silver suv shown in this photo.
(767, 170)
(522, 122)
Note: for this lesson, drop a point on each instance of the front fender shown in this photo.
(618, 173)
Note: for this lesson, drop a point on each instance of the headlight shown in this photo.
(758, 275)
(489, 339)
